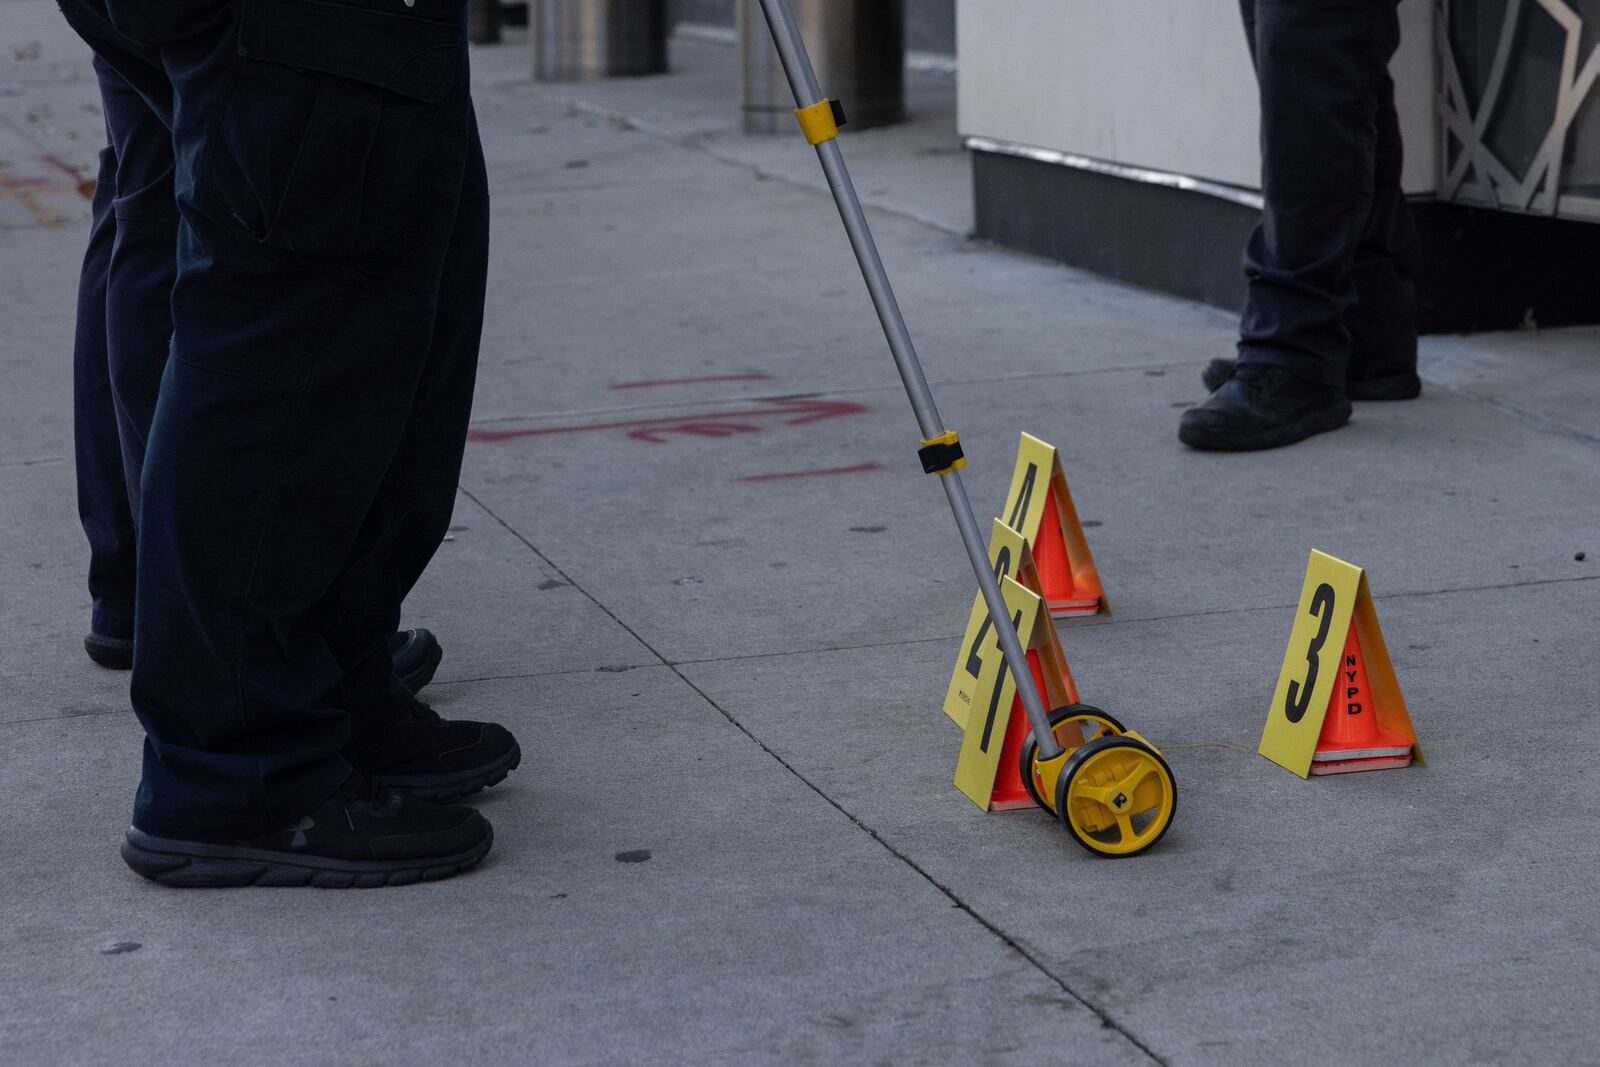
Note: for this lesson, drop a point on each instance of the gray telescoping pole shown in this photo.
(803, 80)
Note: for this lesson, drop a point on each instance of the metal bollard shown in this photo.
(575, 40)
(858, 47)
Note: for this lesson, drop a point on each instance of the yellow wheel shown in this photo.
(1116, 796)
(1073, 725)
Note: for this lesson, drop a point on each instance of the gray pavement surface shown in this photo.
(742, 674)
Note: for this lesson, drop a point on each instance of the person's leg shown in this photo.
(397, 739)
(1383, 320)
(102, 493)
(303, 304)
(143, 267)
(430, 456)
(1319, 66)
(301, 315)
(129, 272)
(411, 512)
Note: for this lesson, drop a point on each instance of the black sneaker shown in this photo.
(362, 837)
(1397, 385)
(416, 655)
(112, 653)
(414, 750)
(1262, 406)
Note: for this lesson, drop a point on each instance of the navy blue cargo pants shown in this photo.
(307, 439)
(1331, 264)
(120, 349)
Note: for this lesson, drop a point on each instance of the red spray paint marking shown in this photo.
(62, 165)
(651, 383)
(710, 424)
(857, 469)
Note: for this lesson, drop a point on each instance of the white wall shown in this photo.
(1164, 84)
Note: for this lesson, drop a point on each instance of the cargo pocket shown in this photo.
(323, 130)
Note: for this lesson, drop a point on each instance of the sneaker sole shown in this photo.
(455, 784)
(1394, 387)
(112, 653)
(1211, 439)
(197, 865)
(419, 677)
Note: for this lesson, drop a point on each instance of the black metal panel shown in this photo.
(1178, 242)
(1481, 269)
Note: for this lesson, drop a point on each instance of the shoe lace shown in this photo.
(1259, 379)
(360, 793)
(423, 712)
(358, 788)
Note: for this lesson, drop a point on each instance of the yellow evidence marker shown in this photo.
(1039, 507)
(1337, 705)
(1009, 557)
(989, 723)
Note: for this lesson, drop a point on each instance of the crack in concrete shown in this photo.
(22, 464)
(1542, 423)
(951, 638)
(1010, 942)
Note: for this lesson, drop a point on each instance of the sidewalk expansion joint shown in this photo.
(1122, 620)
(1542, 423)
(940, 639)
(1010, 942)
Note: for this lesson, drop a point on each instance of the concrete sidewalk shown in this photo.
(741, 674)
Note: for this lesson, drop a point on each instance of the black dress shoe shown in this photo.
(1262, 406)
(410, 747)
(113, 653)
(1401, 384)
(363, 836)
(416, 655)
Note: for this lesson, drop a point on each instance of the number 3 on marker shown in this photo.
(1298, 699)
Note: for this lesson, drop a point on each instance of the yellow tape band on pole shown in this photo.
(817, 122)
(942, 454)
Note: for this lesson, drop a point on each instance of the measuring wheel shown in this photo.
(1073, 725)
(1116, 795)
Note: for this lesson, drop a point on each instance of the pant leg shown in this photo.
(412, 511)
(102, 492)
(1319, 65)
(303, 316)
(430, 456)
(143, 266)
(1383, 321)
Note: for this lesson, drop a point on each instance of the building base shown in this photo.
(1481, 269)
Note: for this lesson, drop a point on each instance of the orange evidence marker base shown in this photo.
(1068, 591)
(1352, 739)
(1009, 792)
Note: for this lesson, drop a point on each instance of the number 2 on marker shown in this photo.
(1298, 698)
